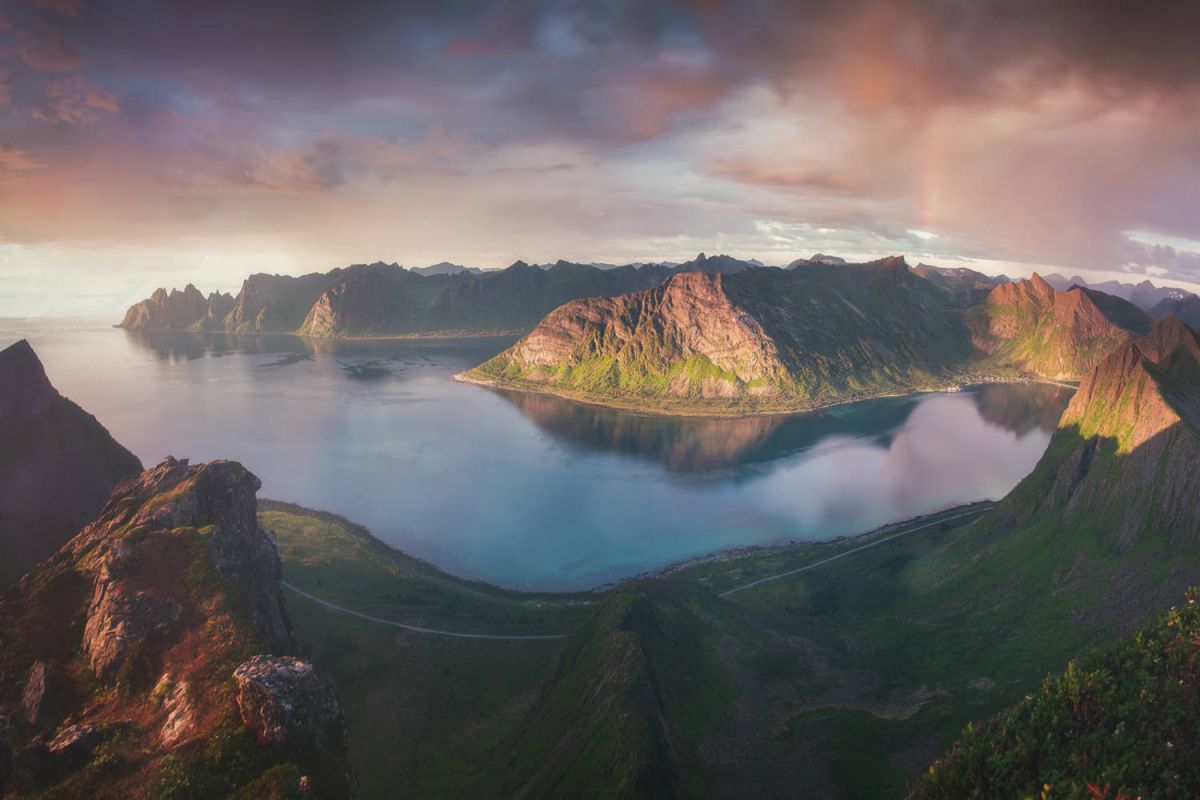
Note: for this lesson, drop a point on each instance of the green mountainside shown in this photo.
(785, 340)
(759, 339)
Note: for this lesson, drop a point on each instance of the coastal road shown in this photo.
(418, 629)
(850, 552)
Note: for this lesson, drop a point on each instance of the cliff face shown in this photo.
(810, 335)
(186, 310)
(1125, 462)
(57, 464)
(387, 300)
(128, 643)
(1034, 327)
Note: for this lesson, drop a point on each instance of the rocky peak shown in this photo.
(163, 594)
(219, 498)
(25, 391)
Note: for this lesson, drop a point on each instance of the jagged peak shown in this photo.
(25, 391)
(518, 265)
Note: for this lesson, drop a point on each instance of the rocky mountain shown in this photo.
(817, 258)
(445, 268)
(186, 310)
(1033, 327)
(58, 464)
(387, 300)
(1125, 462)
(757, 339)
(1145, 295)
(149, 656)
(1186, 308)
(968, 286)
(722, 264)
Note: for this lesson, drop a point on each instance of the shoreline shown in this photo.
(446, 334)
(704, 412)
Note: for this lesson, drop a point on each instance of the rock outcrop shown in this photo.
(285, 703)
(58, 464)
(1033, 327)
(138, 625)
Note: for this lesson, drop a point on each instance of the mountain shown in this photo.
(58, 464)
(1034, 327)
(757, 339)
(387, 300)
(1186, 308)
(967, 285)
(149, 656)
(186, 310)
(1145, 295)
(1125, 463)
(445, 268)
(723, 264)
(817, 258)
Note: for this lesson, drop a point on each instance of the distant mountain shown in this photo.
(151, 653)
(967, 285)
(186, 310)
(756, 339)
(1186, 308)
(445, 268)
(723, 264)
(57, 464)
(1145, 295)
(387, 300)
(1034, 327)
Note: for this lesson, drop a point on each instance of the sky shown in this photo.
(149, 143)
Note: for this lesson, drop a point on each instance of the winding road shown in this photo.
(850, 552)
(554, 636)
(418, 629)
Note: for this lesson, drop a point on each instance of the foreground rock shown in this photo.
(122, 650)
(58, 464)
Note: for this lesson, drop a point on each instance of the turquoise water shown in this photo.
(527, 491)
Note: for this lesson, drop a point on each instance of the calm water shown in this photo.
(527, 491)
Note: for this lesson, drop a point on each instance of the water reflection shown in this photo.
(530, 491)
(696, 445)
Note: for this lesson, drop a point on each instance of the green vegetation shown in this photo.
(663, 687)
(1120, 724)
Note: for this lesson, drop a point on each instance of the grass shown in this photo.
(853, 676)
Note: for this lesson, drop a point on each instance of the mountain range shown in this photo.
(367, 300)
(763, 340)
(1145, 295)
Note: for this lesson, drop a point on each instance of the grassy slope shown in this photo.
(417, 707)
(843, 333)
(847, 679)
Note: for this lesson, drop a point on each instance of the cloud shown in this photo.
(14, 159)
(74, 102)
